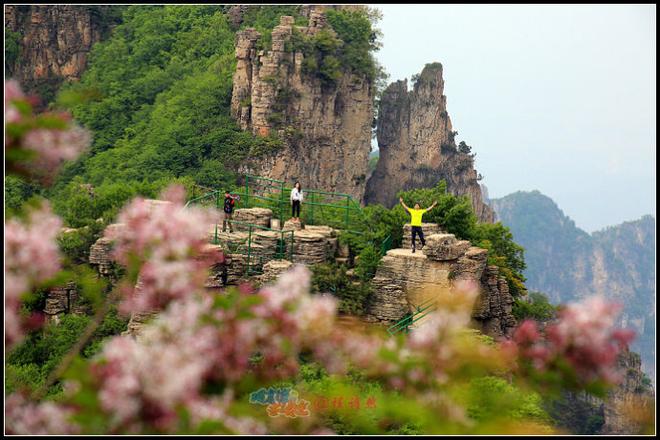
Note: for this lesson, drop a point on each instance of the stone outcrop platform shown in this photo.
(427, 228)
(406, 279)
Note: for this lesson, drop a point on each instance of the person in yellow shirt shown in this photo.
(416, 221)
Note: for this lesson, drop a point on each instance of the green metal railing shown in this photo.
(386, 245)
(337, 210)
(283, 248)
(404, 325)
(334, 209)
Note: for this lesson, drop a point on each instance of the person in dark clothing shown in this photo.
(230, 202)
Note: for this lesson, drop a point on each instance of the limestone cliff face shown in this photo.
(326, 130)
(54, 42)
(630, 395)
(416, 145)
(569, 264)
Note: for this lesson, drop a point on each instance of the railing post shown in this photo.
(312, 222)
(249, 248)
(281, 205)
(247, 191)
(348, 200)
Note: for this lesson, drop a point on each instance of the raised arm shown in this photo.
(404, 204)
(432, 206)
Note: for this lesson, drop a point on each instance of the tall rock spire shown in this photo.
(326, 128)
(417, 147)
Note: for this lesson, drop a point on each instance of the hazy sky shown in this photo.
(559, 98)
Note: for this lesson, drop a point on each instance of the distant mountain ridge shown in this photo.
(567, 263)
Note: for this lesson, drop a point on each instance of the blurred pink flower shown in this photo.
(31, 257)
(148, 379)
(23, 416)
(526, 333)
(584, 336)
(54, 146)
(12, 92)
(168, 241)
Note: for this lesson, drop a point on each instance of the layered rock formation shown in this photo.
(256, 216)
(54, 42)
(64, 299)
(326, 128)
(417, 146)
(631, 396)
(405, 280)
(273, 269)
(100, 255)
(427, 228)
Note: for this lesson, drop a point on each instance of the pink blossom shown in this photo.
(23, 416)
(13, 92)
(316, 316)
(54, 146)
(584, 335)
(168, 241)
(526, 333)
(216, 409)
(31, 257)
(161, 282)
(162, 370)
(290, 287)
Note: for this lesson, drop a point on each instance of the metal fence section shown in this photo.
(337, 210)
(319, 207)
(404, 325)
(386, 245)
(250, 244)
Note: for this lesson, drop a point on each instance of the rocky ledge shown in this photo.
(406, 279)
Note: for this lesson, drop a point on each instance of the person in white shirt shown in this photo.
(296, 200)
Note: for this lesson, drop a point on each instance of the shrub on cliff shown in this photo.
(356, 28)
(332, 279)
(454, 214)
(536, 306)
(350, 49)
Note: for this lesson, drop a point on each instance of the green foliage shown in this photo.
(367, 263)
(489, 396)
(575, 414)
(264, 19)
(75, 244)
(356, 29)
(12, 49)
(157, 97)
(453, 214)
(464, 148)
(536, 306)
(349, 49)
(332, 278)
(17, 193)
(503, 252)
(29, 363)
(321, 55)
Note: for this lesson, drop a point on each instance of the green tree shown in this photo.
(536, 306)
